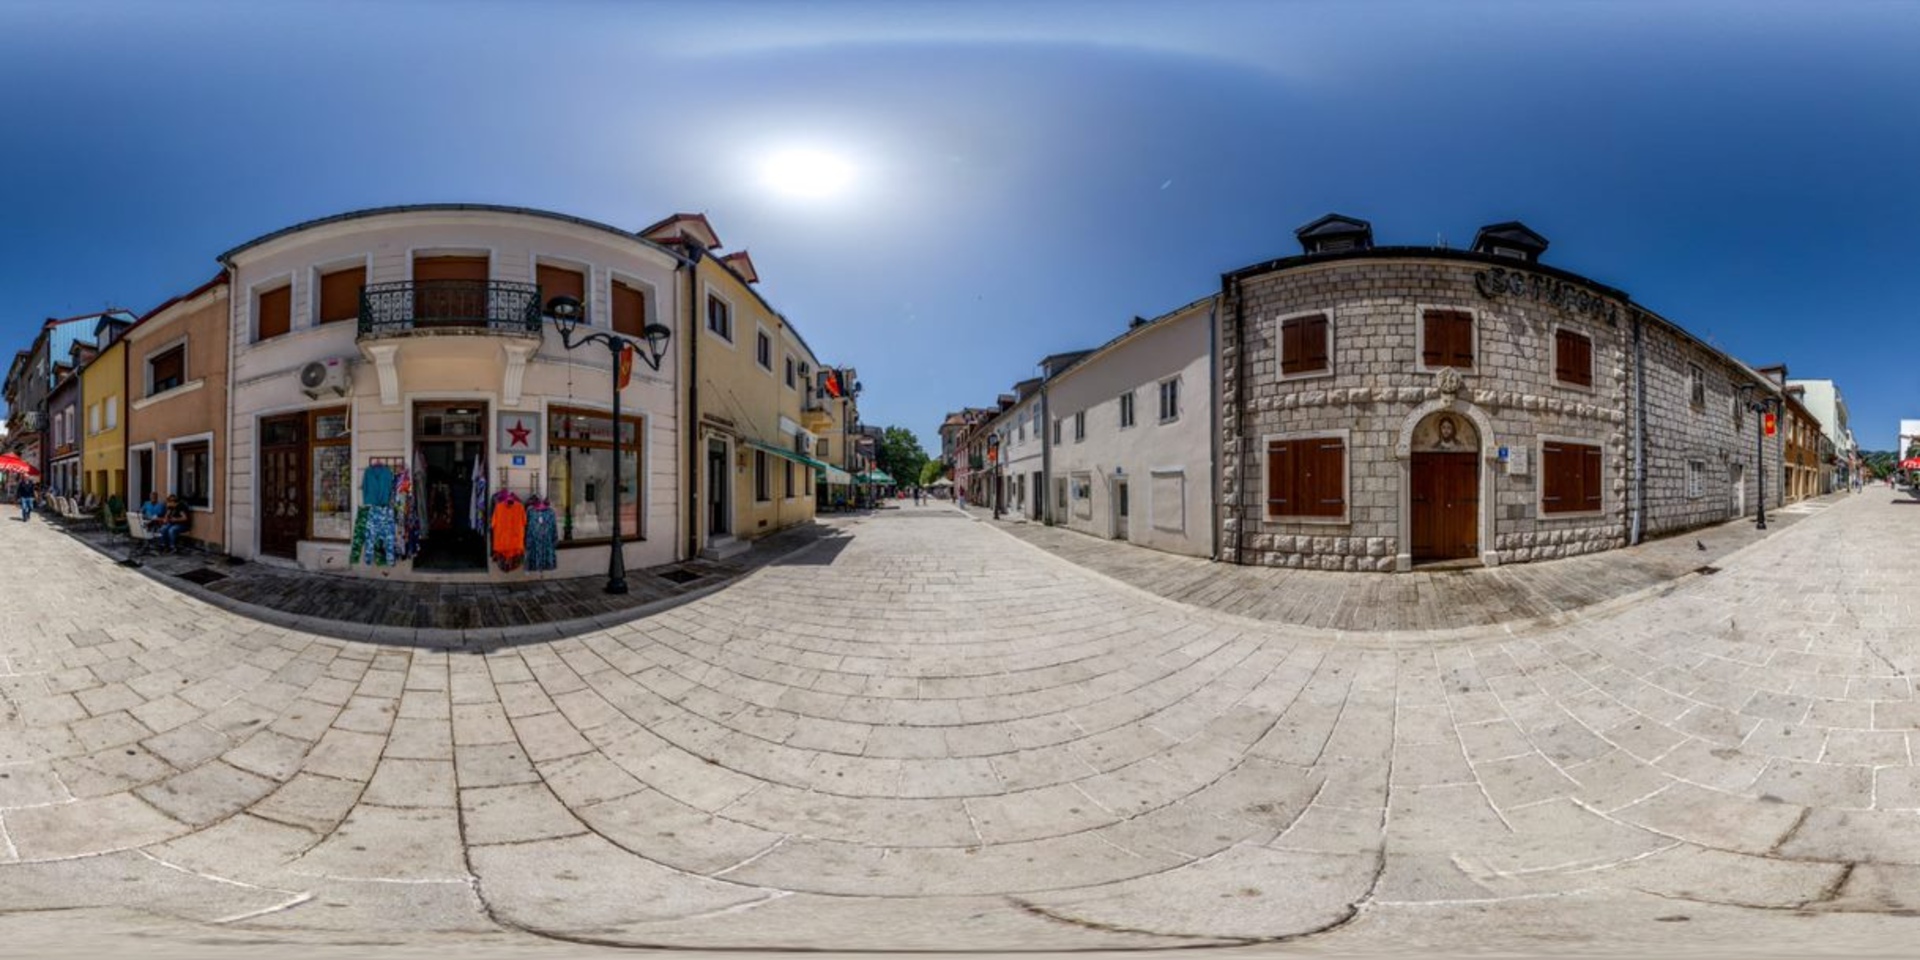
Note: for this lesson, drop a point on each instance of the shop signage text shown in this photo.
(1501, 282)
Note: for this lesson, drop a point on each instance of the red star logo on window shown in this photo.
(519, 433)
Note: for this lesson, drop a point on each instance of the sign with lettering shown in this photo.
(1517, 464)
(1571, 297)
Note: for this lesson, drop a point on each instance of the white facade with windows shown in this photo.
(414, 337)
(1134, 461)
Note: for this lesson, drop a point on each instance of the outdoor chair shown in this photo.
(140, 536)
(115, 516)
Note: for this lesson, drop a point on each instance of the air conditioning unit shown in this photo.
(325, 376)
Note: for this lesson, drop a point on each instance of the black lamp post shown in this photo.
(1760, 408)
(567, 314)
(993, 453)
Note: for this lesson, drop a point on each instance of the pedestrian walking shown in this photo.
(25, 491)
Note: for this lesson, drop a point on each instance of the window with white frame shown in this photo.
(1170, 400)
(193, 473)
(1697, 386)
(791, 372)
(167, 369)
(1079, 426)
(1020, 429)
(1056, 431)
(1696, 478)
(720, 318)
(113, 412)
(1126, 410)
(94, 418)
(763, 350)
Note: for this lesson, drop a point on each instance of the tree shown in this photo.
(900, 454)
(931, 471)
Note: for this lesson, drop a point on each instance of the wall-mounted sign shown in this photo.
(519, 459)
(520, 433)
(1517, 464)
(1501, 282)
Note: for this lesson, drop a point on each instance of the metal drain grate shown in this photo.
(202, 576)
(681, 576)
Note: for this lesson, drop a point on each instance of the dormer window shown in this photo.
(1511, 239)
(1334, 233)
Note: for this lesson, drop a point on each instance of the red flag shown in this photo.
(626, 365)
(1771, 424)
(830, 383)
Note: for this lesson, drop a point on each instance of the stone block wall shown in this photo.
(1377, 387)
(1716, 434)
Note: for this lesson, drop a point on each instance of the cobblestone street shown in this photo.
(930, 735)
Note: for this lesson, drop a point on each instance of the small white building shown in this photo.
(1132, 431)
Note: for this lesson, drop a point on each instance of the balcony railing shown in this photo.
(450, 306)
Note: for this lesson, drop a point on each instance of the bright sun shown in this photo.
(806, 173)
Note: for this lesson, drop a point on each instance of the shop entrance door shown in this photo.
(451, 439)
(1120, 510)
(1446, 506)
(719, 480)
(283, 485)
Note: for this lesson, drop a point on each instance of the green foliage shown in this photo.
(900, 454)
(931, 471)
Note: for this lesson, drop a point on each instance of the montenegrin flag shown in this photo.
(626, 365)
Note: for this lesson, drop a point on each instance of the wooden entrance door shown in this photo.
(283, 485)
(1446, 506)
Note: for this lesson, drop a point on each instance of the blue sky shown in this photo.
(1025, 176)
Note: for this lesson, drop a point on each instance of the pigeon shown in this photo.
(1701, 544)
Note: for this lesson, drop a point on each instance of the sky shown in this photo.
(1016, 179)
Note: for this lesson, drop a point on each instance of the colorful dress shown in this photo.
(543, 536)
(509, 531)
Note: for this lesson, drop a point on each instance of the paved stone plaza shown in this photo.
(931, 735)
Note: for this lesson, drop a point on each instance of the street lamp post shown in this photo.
(993, 454)
(1760, 408)
(567, 314)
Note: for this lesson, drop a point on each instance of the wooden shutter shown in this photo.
(1433, 347)
(1590, 478)
(629, 310)
(1573, 358)
(1280, 474)
(1327, 472)
(276, 312)
(1292, 352)
(1552, 478)
(450, 268)
(1459, 339)
(560, 282)
(340, 294)
(1313, 345)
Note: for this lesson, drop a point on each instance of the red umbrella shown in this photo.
(1910, 463)
(12, 464)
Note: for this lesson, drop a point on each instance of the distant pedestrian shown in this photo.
(24, 491)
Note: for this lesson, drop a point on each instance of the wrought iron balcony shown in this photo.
(427, 307)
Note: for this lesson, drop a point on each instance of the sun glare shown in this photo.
(806, 173)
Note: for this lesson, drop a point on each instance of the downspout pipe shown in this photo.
(1637, 531)
(1231, 287)
(1046, 458)
(692, 422)
(1213, 417)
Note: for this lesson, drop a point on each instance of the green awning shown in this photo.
(789, 454)
(875, 476)
(836, 477)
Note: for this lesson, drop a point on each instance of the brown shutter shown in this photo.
(340, 294)
(558, 282)
(1280, 471)
(629, 310)
(450, 268)
(1590, 475)
(1563, 357)
(1433, 351)
(1329, 470)
(1291, 350)
(1461, 342)
(1313, 338)
(1552, 477)
(276, 312)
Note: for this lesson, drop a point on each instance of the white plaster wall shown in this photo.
(1180, 519)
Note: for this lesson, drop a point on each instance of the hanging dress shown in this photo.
(543, 536)
(375, 537)
(509, 531)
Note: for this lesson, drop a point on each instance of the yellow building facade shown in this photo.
(103, 387)
(753, 470)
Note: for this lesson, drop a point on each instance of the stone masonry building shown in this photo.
(1382, 407)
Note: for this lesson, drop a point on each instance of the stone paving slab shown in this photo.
(925, 734)
(1445, 599)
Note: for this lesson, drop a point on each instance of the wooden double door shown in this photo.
(283, 484)
(1446, 506)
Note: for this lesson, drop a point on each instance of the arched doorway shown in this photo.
(1444, 488)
